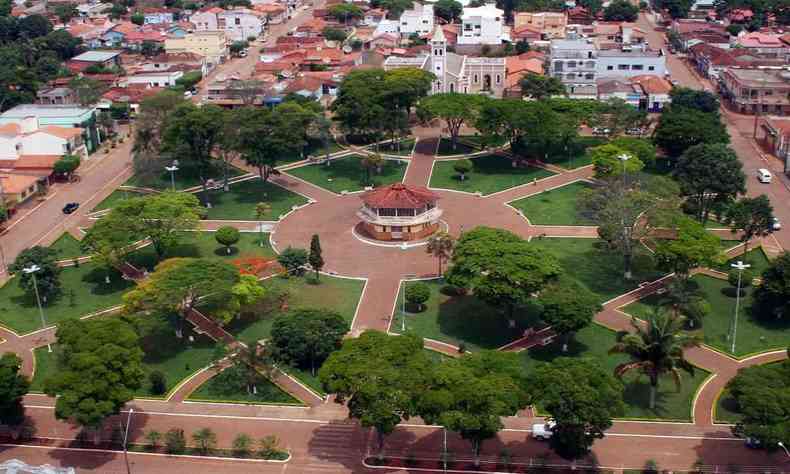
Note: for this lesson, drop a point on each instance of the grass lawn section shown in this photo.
(67, 246)
(45, 365)
(491, 173)
(574, 157)
(215, 389)
(306, 377)
(594, 342)
(754, 257)
(477, 141)
(347, 174)
(598, 268)
(315, 148)
(339, 294)
(239, 203)
(457, 319)
(18, 311)
(753, 336)
(404, 148)
(555, 207)
(187, 176)
(114, 198)
(203, 245)
(445, 148)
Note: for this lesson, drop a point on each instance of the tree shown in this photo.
(581, 399)
(179, 285)
(772, 297)
(205, 439)
(34, 26)
(417, 293)
(153, 437)
(371, 162)
(315, 259)
(47, 276)
(448, 10)
(753, 217)
(138, 18)
(685, 298)
(13, 386)
(463, 167)
(175, 441)
(762, 396)
(539, 87)
(567, 307)
(710, 174)
(269, 446)
(379, 377)
(615, 115)
(306, 337)
(158, 381)
(500, 267)
(66, 165)
(344, 11)
(99, 368)
(471, 395)
(610, 160)
(522, 46)
(242, 444)
(701, 100)
(293, 260)
(693, 247)
(334, 34)
(656, 349)
(621, 10)
(453, 108)
(641, 148)
(65, 11)
(118, 10)
(441, 245)
(227, 236)
(261, 210)
(681, 128)
(238, 46)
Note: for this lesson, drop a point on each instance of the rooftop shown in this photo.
(765, 78)
(96, 56)
(44, 110)
(399, 196)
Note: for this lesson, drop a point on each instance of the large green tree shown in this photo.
(681, 128)
(772, 297)
(656, 349)
(752, 217)
(710, 174)
(380, 377)
(454, 109)
(693, 247)
(581, 399)
(621, 10)
(610, 160)
(306, 337)
(567, 307)
(500, 267)
(47, 276)
(539, 86)
(701, 100)
(13, 386)
(448, 10)
(99, 368)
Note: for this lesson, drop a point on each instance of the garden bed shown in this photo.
(230, 386)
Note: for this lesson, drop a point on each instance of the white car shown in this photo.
(542, 431)
(776, 224)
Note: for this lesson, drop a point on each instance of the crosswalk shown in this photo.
(333, 445)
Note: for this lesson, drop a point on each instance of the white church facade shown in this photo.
(455, 72)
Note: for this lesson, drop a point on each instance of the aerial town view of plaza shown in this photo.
(361, 236)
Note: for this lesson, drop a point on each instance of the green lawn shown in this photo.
(83, 291)
(347, 174)
(753, 335)
(339, 294)
(114, 198)
(598, 268)
(306, 377)
(401, 148)
(555, 207)
(754, 257)
(203, 245)
(491, 173)
(594, 342)
(67, 246)
(574, 157)
(239, 203)
(230, 385)
(187, 176)
(445, 148)
(457, 319)
(477, 141)
(45, 364)
(315, 148)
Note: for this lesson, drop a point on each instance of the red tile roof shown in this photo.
(399, 195)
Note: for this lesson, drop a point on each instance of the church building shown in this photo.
(455, 72)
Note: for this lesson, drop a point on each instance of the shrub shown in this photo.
(227, 236)
(463, 167)
(293, 260)
(158, 382)
(175, 441)
(242, 444)
(153, 437)
(417, 294)
(269, 446)
(205, 440)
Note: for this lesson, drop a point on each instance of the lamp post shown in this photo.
(624, 158)
(782, 445)
(31, 270)
(172, 169)
(403, 310)
(740, 266)
(125, 439)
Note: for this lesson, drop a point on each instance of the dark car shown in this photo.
(70, 207)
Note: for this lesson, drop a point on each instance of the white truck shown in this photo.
(542, 431)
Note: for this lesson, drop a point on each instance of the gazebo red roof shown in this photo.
(400, 196)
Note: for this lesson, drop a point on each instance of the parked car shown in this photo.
(753, 443)
(634, 131)
(776, 224)
(764, 176)
(542, 431)
(243, 53)
(70, 207)
(601, 131)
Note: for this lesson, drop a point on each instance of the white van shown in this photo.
(543, 431)
(764, 176)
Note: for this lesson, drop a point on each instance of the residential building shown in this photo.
(238, 24)
(176, 61)
(211, 45)
(773, 135)
(455, 72)
(155, 15)
(15, 189)
(103, 59)
(750, 91)
(630, 61)
(56, 96)
(483, 25)
(519, 66)
(655, 92)
(154, 79)
(763, 45)
(28, 139)
(710, 60)
(68, 116)
(93, 10)
(550, 25)
(274, 13)
(695, 31)
(417, 20)
(374, 16)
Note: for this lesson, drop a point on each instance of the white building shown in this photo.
(386, 26)
(483, 25)
(238, 24)
(154, 79)
(417, 20)
(28, 139)
(631, 61)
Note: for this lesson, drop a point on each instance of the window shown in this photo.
(637, 67)
(496, 19)
(609, 68)
(571, 64)
(476, 78)
(623, 67)
(425, 22)
(651, 68)
(768, 92)
(498, 78)
(237, 21)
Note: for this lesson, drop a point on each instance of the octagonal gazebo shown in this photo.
(399, 212)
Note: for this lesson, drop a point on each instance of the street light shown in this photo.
(125, 439)
(172, 169)
(31, 270)
(740, 266)
(782, 445)
(624, 158)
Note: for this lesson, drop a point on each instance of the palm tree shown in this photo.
(685, 299)
(256, 362)
(261, 209)
(655, 349)
(369, 162)
(205, 439)
(441, 246)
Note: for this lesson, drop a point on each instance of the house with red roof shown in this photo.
(740, 15)
(763, 44)
(399, 212)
